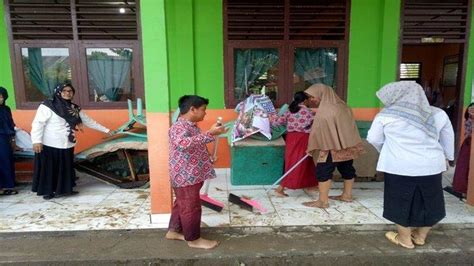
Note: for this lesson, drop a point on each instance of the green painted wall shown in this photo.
(195, 45)
(469, 67)
(209, 51)
(155, 59)
(180, 35)
(6, 75)
(373, 49)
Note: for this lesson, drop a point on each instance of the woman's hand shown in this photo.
(37, 147)
(80, 127)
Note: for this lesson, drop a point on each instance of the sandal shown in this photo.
(393, 237)
(417, 241)
(316, 204)
(8, 192)
(340, 198)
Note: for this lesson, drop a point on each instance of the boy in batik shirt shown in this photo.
(190, 165)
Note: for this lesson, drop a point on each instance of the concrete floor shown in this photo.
(101, 206)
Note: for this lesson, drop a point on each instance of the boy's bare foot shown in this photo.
(203, 243)
(171, 235)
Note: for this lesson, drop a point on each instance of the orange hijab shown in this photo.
(334, 127)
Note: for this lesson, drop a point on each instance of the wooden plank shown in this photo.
(131, 167)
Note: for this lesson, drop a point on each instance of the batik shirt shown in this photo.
(189, 162)
(300, 121)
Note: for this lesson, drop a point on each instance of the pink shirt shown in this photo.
(300, 121)
(189, 161)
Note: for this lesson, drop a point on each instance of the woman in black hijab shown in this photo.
(7, 144)
(53, 138)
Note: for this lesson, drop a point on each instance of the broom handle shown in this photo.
(291, 169)
(214, 155)
(216, 140)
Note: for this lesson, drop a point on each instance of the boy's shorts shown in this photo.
(324, 171)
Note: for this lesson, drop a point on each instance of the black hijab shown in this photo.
(7, 127)
(66, 109)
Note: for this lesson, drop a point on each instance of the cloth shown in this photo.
(7, 163)
(53, 171)
(52, 130)
(65, 109)
(189, 160)
(300, 121)
(186, 212)
(347, 154)
(6, 120)
(295, 149)
(467, 128)
(413, 201)
(334, 127)
(461, 173)
(408, 150)
(254, 117)
(406, 100)
(324, 171)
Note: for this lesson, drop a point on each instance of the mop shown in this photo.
(249, 204)
(207, 201)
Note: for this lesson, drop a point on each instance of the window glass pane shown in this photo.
(110, 74)
(43, 70)
(314, 65)
(255, 69)
(410, 71)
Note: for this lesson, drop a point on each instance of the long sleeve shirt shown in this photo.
(407, 150)
(52, 130)
(300, 121)
(189, 160)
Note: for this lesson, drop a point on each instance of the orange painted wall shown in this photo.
(161, 195)
(108, 118)
(115, 118)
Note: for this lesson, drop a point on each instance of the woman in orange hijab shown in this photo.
(334, 141)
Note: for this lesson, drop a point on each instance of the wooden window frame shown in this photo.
(286, 59)
(136, 68)
(77, 57)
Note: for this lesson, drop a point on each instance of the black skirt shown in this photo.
(54, 171)
(413, 201)
(7, 164)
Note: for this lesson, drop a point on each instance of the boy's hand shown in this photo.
(217, 130)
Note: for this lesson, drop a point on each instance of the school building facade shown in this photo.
(223, 50)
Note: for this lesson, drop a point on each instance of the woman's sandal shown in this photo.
(393, 237)
(417, 241)
(8, 192)
(316, 204)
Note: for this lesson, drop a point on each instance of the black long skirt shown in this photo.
(7, 163)
(413, 201)
(54, 171)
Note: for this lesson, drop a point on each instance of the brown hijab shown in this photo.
(334, 127)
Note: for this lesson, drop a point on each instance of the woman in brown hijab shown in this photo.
(334, 141)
